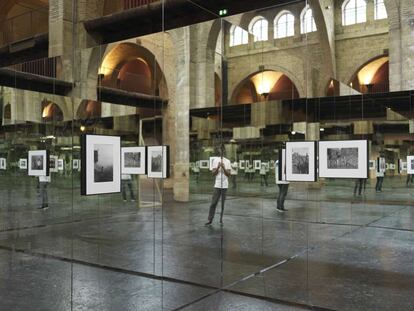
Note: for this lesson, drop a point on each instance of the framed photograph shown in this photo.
(204, 164)
(410, 164)
(60, 165)
(391, 166)
(100, 164)
(158, 161)
(211, 161)
(281, 165)
(381, 165)
(75, 164)
(402, 166)
(53, 163)
(23, 164)
(266, 166)
(387, 166)
(3, 164)
(134, 160)
(372, 164)
(38, 162)
(242, 164)
(257, 164)
(343, 159)
(301, 161)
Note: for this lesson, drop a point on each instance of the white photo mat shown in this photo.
(158, 161)
(137, 166)
(23, 164)
(301, 150)
(38, 163)
(53, 163)
(343, 159)
(410, 164)
(101, 165)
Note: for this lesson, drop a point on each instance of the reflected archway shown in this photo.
(372, 77)
(265, 85)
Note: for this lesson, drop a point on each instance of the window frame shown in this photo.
(286, 25)
(355, 10)
(303, 23)
(264, 36)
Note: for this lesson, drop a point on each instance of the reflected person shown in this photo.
(221, 171)
(410, 179)
(283, 186)
(380, 180)
(263, 175)
(126, 182)
(360, 184)
(42, 187)
(233, 172)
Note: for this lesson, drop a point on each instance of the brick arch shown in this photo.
(300, 87)
(117, 55)
(380, 79)
(246, 92)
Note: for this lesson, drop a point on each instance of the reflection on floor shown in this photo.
(99, 253)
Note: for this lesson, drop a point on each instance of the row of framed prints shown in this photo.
(241, 164)
(103, 161)
(337, 159)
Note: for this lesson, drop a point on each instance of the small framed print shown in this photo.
(3, 164)
(38, 162)
(372, 164)
(60, 165)
(410, 164)
(134, 160)
(204, 164)
(301, 161)
(402, 166)
(100, 164)
(23, 164)
(242, 164)
(343, 159)
(391, 166)
(211, 161)
(158, 161)
(53, 163)
(75, 164)
(257, 164)
(381, 165)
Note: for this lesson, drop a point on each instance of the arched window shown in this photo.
(259, 28)
(284, 25)
(380, 10)
(354, 12)
(238, 36)
(307, 22)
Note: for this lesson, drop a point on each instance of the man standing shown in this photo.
(221, 170)
(283, 186)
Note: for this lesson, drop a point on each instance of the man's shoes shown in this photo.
(132, 200)
(284, 209)
(208, 223)
(124, 200)
(280, 210)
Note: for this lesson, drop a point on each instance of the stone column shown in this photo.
(181, 120)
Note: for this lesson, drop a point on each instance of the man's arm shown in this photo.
(226, 171)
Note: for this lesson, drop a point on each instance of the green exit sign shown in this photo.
(223, 12)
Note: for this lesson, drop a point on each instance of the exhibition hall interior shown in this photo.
(206, 155)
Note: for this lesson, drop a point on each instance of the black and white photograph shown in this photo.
(38, 161)
(103, 157)
(133, 160)
(53, 163)
(301, 161)
(23, 164)
(60, 165)
(343, 159)
(410, 164)
(204, 164)
(3, 164)
(372, 165)
(100, 164)
(242, 164)
(158, 161)
(75, 164)
(257, 164)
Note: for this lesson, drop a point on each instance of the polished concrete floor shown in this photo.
(100, 253)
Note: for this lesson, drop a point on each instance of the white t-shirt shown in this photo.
(44, 178)
(262, 170)
(234, 168)
(222, 182)
(126, 177)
